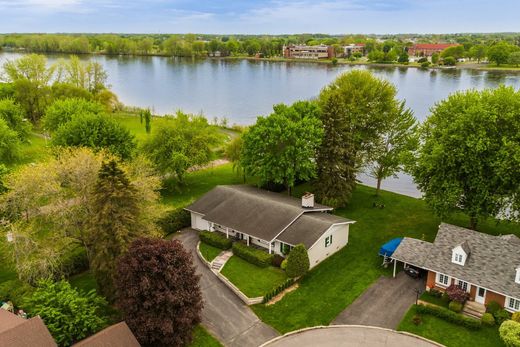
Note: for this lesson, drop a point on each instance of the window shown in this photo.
(443, 279)
(462, 285)
(458, 258)
(513, 304)
(328, 241)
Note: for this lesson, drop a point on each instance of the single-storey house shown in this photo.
(485, 266)
(272, 221)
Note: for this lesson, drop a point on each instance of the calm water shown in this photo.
(242, 90)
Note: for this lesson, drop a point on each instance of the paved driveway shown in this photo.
(224, 314)
(351, 336)
(383, 304)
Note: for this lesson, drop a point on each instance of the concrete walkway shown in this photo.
(224, 314)
(383, 304)
(351, 336)
(218, 263)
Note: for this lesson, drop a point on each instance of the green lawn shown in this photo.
(84, 281)
(209, 252)
(252, 280)
(202, 338)
(433, 300)
(449, 334)
(339, 280)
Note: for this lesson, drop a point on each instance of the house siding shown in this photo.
(492, 296)
(318, 252)
(198, 223)
(430, 280)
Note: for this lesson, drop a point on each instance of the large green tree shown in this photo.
(97, 132)
(394, 146)
(500, 52)
(14, 115)
(115, 223)
(64, 110)
(69, 314)
(354, 109)
(469, 155)
(180, 143)
(281, 148)
(9, 143)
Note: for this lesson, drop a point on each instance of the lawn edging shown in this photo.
(247, 300)
(295, 332)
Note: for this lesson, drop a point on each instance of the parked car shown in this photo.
(412, 271)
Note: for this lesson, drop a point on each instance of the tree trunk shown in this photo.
(378, 187)
(473, 222)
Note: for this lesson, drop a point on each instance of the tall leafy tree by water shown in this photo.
(469, 155)
(281, 148)
(354, 109)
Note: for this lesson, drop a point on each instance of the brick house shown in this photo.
(428, 49)
(348, 50)
(485, 266)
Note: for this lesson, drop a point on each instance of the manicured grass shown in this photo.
(433, 300)
(209, 252)
(132, 122)
(202, 338)
(200, 182)
(252, 280)
(450, 334)
(334, 284)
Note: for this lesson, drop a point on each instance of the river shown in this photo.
(241, 90)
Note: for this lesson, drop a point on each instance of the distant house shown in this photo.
(19, 332)
(485, 266)
(117, 335)
(272, 221)
(308, 52)
(354, 48)
(428, 49)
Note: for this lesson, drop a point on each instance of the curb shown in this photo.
(247, 300)
(295, 332)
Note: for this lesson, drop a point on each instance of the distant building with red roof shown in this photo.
(428, 49)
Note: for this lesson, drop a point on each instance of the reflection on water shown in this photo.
(241, 90)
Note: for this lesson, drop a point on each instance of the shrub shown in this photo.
(450, 61)
(277, 260)
(75, 261)
(493, 307)
(455, 306)
(252, 255)
(16, 291)
(455, 293)
(516, 317)
(488, 319)
(425, 64)
(436, 293)
(174, 220)
(449, 316)
(417, 319)
(297, 262)
(283, 265)
(215, 240)
(501, 316)
(510, 333)
(445, 297)
(278, 290)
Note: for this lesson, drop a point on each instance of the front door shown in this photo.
(480, 296)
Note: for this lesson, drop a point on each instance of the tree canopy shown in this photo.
(281, 148)
(354, 110)
(9, 143)
(64, 110)
(14, 116)
(158, 292)
(468, 157)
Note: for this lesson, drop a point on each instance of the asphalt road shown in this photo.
(224, 314)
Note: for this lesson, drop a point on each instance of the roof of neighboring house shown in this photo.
(19, 332)
(257, 212)
(412, 251)
(117, 335)
(309, 228)
(434, 45)
(491, 264)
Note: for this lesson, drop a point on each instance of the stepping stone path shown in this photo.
(218, 263)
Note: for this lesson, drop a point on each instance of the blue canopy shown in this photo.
(389, 248)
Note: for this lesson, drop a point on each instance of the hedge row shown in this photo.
(174, 220)
(215, 240)
(75, 262)
(254, 256)
(450, 316)
(17, 292)
(277, 290)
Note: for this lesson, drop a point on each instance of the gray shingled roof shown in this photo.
(309, 227)
(412, 251)
(254, 211)
(491, 264)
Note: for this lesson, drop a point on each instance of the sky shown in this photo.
(260, 16)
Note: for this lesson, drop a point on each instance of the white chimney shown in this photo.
(308, 200)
